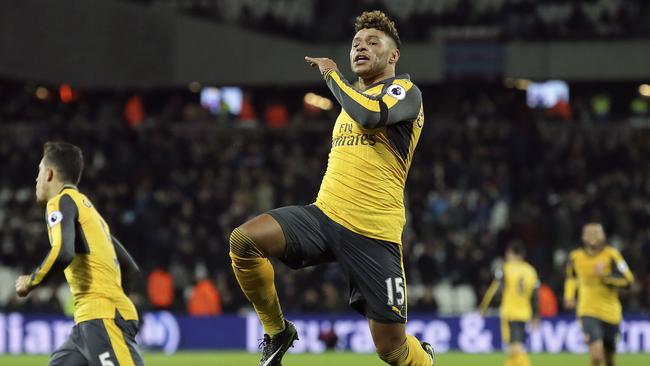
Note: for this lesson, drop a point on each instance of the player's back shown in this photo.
(519, 282)
(94, 275)
(596, 298)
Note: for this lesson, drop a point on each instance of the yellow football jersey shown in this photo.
(519, 282)
(373, 141)
(80, 236)
(597, 278)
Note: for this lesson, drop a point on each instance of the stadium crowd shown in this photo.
(174, 185)
(428, 19)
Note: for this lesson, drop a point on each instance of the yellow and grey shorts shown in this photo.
(595, 330)
(513, 331)
(100, 342)
(373, 267)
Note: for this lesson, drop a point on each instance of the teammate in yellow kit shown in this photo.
(358, 216)
(519, 304)
(597, 271)
(95, 265)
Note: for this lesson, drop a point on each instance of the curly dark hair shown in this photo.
(378, 20)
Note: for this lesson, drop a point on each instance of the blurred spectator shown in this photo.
(160, 289)
(247, 114)
(134, 111)
(276, 115)
(329, 338)
(65, 298)
(503, 19)
(639, 107)
(487, 171)
(561, 111)
(547, 301)
(204, 300)
(600, 106)
(7, 277)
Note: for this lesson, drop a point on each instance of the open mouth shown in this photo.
(361, 59)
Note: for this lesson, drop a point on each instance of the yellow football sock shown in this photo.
(410, 353)
(523, 359)
(518, 359)
(255, 275)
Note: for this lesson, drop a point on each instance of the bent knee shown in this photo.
(242, 246)
(392, 352)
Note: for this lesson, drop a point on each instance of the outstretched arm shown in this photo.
(399, 102)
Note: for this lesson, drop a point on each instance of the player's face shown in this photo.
(512, 256)
(41, 183)
(593, 236)
(371, 51)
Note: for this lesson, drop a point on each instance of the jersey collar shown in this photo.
(68, 186)
(388, 81)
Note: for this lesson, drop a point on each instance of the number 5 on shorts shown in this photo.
(398, 290)
(104, 358)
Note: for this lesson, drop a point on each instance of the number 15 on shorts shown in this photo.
(395, 291)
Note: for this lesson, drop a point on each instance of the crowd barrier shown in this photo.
(167, 332)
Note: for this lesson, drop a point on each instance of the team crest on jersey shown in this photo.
(54, 218)
(396, 91)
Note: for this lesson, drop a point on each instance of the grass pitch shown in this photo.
(340, 359)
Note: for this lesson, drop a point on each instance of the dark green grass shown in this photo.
(340, 359)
